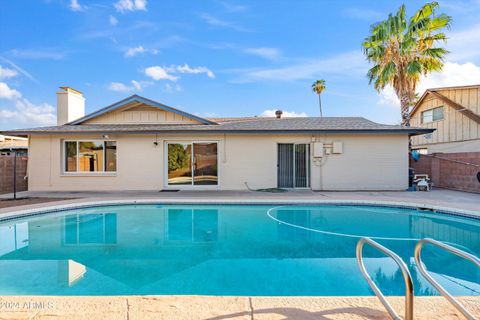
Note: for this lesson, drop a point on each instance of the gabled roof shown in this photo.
(431, 90)
(458, 107)
(310, 125)
(138, 98)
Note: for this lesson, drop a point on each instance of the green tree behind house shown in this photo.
(402, 51)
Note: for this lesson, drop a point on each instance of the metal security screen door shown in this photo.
(293, 165)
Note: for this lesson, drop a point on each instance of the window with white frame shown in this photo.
(90, 156)
(431, 115)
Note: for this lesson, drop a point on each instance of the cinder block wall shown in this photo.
(450, 170)
(6, 173)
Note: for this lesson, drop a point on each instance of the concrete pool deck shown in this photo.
(217, 308)
(440, 198)
(229, 308)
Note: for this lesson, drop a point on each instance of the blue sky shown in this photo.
(212, 58)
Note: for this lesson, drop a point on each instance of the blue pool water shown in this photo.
(229, 250)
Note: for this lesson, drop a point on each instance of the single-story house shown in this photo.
(140, 144)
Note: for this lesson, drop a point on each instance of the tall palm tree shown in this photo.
(318, 87)
(402, 51)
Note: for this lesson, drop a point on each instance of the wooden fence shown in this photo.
(6, 173)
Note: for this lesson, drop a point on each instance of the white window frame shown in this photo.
(86, 173)
(192, 235)
(192, 185)
(432, 111)
(91, 244)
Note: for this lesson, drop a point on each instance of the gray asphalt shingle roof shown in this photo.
(249, 125)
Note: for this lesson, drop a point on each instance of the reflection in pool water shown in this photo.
(228, 250)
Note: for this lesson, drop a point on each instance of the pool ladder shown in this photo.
(409, 293)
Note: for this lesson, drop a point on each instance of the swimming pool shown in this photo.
(258, 250)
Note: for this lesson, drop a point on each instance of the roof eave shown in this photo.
(411, 132)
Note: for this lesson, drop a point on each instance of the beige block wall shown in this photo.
(368, 162)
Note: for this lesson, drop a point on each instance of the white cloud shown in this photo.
(185, 68)
(22, 71)
(119, 87)
(159, 73)
(21, 112)
(131, 52)
(216, 22)
(463, 45)
(349, 64)
(26, 113)
(8, 93)
(232, 7)
(112, 20)
(137, 85)
(134, 86)
(388, 97)
(75, 6)
(6, 73)
(271, 113)
(453, 74)
(167, 73)
(130, 5)
(170, 88)
(264, 52)
(39, 53)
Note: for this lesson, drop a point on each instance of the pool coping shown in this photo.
(89, 203)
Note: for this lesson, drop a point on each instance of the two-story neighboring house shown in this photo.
(451, 154)
(454, 113)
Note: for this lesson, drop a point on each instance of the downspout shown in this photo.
(50, 161)
(28, 159)
(224, 148)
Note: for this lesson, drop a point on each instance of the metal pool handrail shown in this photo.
(424, 272)
(406, 277)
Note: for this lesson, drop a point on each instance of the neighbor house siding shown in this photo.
(368, 162)
(455, 127)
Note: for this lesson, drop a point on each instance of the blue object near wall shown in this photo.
(415, 155)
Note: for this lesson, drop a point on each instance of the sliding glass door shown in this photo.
(179, 164)
(293, 166)
(192, 163)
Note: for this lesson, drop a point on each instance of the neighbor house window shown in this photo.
(90, 156)
(432, 115)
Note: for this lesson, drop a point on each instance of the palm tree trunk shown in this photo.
(405, 110)
(320, 104)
